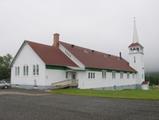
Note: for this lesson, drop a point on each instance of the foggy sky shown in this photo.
(103, 25)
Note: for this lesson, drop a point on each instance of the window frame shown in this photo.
(134, 59)
(121, 75)
(91, 75)
(24, 70)
(128, 75)
(36, 70)
(113, 74)
(66, 75)
(27, 70)
(104, 74)
(133, 75)
(18, 70)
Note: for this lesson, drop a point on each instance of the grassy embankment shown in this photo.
(152, 94)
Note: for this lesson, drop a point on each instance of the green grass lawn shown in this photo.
(152, 94)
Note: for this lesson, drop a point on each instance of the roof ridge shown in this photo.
(29, 41)
(90, 49)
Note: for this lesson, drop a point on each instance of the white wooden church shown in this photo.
(44, 66)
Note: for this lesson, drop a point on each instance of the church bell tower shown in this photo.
(136, 56)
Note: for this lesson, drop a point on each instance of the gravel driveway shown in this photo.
(39, 105)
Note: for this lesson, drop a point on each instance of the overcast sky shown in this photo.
(103, 25)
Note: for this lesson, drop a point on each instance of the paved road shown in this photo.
(38, 105)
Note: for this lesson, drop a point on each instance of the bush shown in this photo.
(5, 70)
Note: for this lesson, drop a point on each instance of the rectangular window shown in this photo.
(91, 75)
(18, 70)
(24, 70)
(128, 75)
(134, 59)
(104, 74)
(27, 70)
(15, 71)
(66, 74)
(35, 69)
(121, 75)
(113, 74)
(133, 75)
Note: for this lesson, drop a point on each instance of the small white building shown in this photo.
(43, 65)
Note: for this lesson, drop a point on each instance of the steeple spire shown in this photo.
(135, 35)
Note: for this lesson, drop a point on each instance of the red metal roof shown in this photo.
(135, 45)
(95, 59)
(90, 58)
(51, 55)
